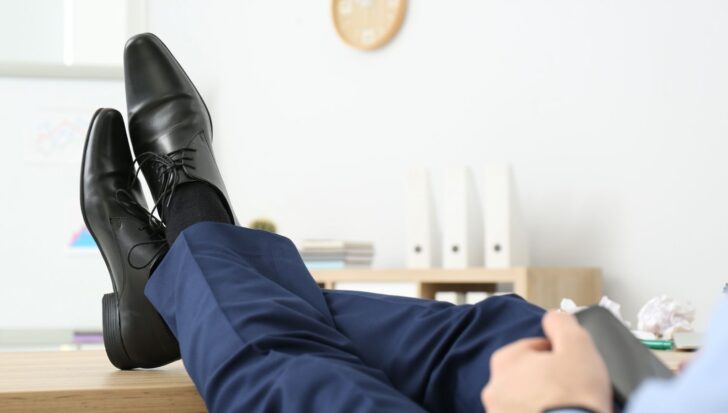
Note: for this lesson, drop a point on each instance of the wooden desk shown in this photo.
(673, 358)
(85, 381)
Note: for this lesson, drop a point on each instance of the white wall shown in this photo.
(42, 33)
(612, 113)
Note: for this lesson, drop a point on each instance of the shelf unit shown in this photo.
(542, 286)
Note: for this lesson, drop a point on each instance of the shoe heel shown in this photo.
(112, 333)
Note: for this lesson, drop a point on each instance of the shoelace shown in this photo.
(167, 168)
(130, 205)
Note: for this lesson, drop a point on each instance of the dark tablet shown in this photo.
(628, 360)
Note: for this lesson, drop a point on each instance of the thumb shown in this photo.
(564, 331)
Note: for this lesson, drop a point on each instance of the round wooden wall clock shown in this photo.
(368, 24)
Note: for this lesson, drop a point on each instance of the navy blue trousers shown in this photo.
(258, 335)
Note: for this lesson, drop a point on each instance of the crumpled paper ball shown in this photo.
(615, 308)
(569, 306)
(664, 316)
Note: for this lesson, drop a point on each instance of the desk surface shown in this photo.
(85, 381)
(673, 359)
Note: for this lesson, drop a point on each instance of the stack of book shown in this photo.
(332, 254)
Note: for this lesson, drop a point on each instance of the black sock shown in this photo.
(191, 203)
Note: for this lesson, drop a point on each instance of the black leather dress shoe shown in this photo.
(169, 124)
(131, 242)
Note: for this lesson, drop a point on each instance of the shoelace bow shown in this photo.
(167, 168)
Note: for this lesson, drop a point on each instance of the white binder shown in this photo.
(422, 233)
(462, 223)
(505, 237)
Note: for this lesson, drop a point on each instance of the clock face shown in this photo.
(368, 24)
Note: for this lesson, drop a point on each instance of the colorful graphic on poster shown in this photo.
(57, 136)
(82, 240)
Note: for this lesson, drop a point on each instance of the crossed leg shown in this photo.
(436, 353)
(257, 334)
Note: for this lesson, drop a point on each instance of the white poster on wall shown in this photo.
(56, 136)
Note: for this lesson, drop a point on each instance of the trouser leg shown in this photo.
(435, 353)
(255, 331)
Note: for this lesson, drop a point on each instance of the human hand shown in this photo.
(562, 370)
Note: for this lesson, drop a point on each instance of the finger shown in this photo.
(563, 331)
(529, 344)
(505, 356)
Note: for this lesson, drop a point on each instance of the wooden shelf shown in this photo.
(542, 286)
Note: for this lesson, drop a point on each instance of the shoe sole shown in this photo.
(111, 320)
(113, 342)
